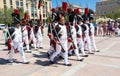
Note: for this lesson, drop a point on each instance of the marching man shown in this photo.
(73, 37)
(79, 35)
(92, 37)
(61, 41)
(16, 44)
(25, 36)
(39, 35)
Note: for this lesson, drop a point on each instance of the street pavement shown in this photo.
(103, 63)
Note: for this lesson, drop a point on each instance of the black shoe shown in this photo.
(52, 62)
(81, 59)
(61, 57)
(97, 51)
(48, 55)
(90, 53)
(41, 47)
(68, 64)
(69, 54)
(28, 52)
(26, 62)
(85, 50)
(85, 55)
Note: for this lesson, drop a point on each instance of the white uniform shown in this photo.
(87, 38)
(50, 30)
(92, 37)
(32, 37)
(80, 40)
(74, 37)
(63, 41)
(17, 44)
(39, 37)
(25, 37)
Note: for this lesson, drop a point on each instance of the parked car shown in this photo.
(2, 26)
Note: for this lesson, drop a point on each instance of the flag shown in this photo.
(40, 4)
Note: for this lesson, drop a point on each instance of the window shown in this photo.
(17, 3)
(105, 12)
(5, 7)
(21, 3)
(11, 6)
(44, 15)
(34, 14)
(10, 2)
(4, 1)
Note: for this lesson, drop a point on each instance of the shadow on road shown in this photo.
(3, 61)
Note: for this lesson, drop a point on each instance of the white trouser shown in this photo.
(93, 42)
(34, 41)
(87, 38)
(81, 45)
(39, 41)
(75, 49)
(58, 51)
(20, 49)
(25, 39)
(51, 49)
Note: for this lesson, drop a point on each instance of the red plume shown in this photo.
(69, 10)
(64, 6)
(77, 11)
(26, 16)
(16, 11)
(86, 10)
(53, 10)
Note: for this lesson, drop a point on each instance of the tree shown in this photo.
(110, 16)
(117, 14)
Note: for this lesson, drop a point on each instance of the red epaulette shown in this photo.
(69, 40)
(78, 36)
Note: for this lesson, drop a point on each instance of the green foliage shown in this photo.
(117, 14)
(5, 16)
(21, 12)
(110, 16)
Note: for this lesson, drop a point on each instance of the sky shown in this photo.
(91, 3)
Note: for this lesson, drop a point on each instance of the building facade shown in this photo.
(30, 6)
(107, 7)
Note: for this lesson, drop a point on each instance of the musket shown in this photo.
(10, 39)
(63, 50)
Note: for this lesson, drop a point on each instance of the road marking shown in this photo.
(109, 46)
(103, 64)
(74, 69)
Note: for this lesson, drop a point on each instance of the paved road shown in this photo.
(104, 63)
